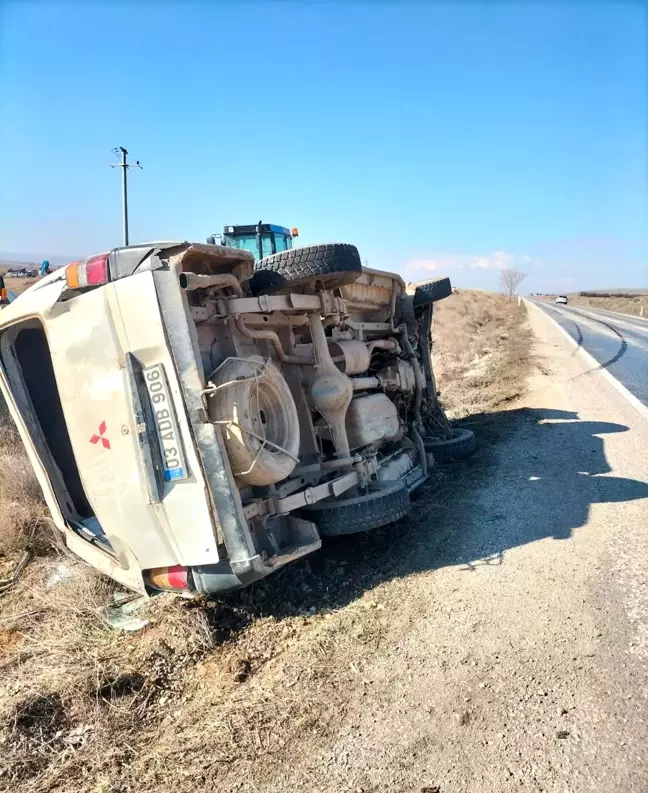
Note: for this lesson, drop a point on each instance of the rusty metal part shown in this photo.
(331, 391)
(354, 356)
(327, 465)
(398, 376)
(210, 259)
(363, 383)
(373, 289)
(362, 328)
(190, 281)
(271, 336)
(367, 296)
(313, 494)
(276, 319)
(416, 437)
(383, 344)
(392, 310)
(324, 303)
(418, 393)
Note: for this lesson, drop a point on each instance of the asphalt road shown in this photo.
(619, 343)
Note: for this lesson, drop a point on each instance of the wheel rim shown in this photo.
(267, 417)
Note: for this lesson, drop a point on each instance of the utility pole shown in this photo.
(120, 151)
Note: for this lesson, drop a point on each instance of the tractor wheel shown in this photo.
(333, 265)
(431, 291)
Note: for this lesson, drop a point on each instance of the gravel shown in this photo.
(521, 661)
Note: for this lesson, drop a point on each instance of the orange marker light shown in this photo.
(72, 275)
(295, 232)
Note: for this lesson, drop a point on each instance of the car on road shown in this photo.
(197, 419)
(562, 299)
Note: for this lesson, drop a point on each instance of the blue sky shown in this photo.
(441, 138)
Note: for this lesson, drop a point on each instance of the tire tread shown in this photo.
(337, 263)
(367, 514)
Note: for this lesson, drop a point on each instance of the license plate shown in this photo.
(165, 423)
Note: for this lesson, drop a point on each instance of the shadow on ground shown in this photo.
(535, 476)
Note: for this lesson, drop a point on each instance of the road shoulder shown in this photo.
(522, 661)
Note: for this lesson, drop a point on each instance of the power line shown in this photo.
(121, 153)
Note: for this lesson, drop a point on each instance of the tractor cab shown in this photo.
(261, 240)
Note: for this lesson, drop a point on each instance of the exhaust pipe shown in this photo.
(190, 281)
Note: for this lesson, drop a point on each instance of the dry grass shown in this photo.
(18, 285)
(480, 352)
(22, 510)
(228, 694)
(623, 305)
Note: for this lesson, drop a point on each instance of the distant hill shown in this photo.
(32, 261)
(612, 292)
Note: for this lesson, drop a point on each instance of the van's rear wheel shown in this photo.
(384, 503)
(334, 265)
(252, 401)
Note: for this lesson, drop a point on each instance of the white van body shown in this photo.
(147, 390)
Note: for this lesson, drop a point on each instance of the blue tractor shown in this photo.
(262, 239)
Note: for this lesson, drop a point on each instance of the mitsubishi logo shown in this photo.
(96, 438)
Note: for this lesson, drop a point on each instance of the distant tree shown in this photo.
(510, 280)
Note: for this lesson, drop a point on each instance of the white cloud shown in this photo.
(422, 264)
(441, 262)
(497, 260)
(484, 263)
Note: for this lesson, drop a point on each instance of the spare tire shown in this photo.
(252, 401)
(386, 502)
(462, 444)
(334, 265)
(432, 290)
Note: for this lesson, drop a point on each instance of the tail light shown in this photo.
(89, 272)
(169, 579)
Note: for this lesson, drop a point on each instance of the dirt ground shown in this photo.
(18, 285)
(419, 657)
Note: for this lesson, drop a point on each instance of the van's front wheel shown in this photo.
(462, 443)
(431, 291)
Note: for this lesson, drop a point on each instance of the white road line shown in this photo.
(632, 399)
(606, 326)
(615, 314)
(614, 319)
